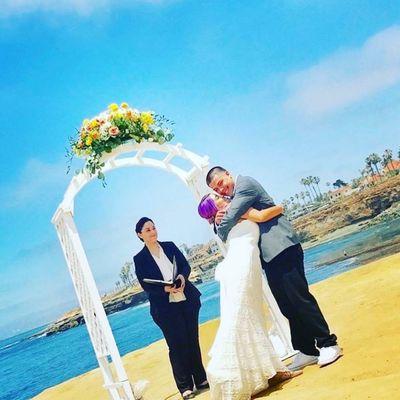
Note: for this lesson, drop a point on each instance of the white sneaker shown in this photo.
(328, 355)
(301, 360)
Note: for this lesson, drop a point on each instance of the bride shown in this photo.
(243, 361)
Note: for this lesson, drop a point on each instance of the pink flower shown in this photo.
(113, 131)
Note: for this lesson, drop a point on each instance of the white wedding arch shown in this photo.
(134, 155)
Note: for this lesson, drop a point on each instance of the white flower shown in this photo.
(104, 128)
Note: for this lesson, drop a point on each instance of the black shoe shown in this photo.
(203, 386)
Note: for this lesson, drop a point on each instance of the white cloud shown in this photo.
(10, 8)
(38, 181)
(347, 76)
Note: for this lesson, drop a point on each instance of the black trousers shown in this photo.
(180, 326)
(287, 280)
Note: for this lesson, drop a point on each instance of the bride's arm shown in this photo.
(263, 215)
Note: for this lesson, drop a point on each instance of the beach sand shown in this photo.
(362, 307)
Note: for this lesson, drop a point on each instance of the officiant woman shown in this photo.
(174, 309)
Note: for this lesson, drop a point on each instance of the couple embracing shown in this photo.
(258, 237)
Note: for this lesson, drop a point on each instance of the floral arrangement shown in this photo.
(113, 127)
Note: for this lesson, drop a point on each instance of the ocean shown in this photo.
(30, 365)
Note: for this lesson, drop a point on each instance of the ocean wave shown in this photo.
(44, 334)
(7, 346)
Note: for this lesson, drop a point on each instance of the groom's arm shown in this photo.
(245, 196)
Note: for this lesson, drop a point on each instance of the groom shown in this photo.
(283, 262)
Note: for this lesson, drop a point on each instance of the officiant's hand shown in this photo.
(218, 217)
(171, 289)
(183, 282)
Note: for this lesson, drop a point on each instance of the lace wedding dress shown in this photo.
(242, 356)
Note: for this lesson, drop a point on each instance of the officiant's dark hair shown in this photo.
(212, 172)
(139, 225)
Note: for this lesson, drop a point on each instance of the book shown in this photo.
(160, 282)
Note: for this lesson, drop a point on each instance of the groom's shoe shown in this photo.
(328, 355)
(301, 360)
(203, 386)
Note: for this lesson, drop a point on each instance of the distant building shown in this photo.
(339, 193)
(394, 165)
(203, 259)
(213, 247)
(371, 179)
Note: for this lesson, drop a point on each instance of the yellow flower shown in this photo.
(131, 115)
(113, 107)
(88, 141)
(146, 118)
(117, 115)
(124, 105)
(94, 124)
(145, 127)
(95, 135)
(85, 122)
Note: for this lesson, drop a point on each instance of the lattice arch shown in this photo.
(133, 155)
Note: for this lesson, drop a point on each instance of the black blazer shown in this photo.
(146, 267)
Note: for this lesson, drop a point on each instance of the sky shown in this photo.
(278, 90)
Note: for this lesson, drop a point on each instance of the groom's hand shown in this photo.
(220, 214)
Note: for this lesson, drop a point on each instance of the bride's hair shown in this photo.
(207, 208)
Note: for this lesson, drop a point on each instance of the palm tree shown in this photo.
(373, 160)
(310, 180)
(285, 204)
(297, 197)
(126, 275)
(368, 166)
(303, 197)
(368, 171)
(304, 182)
(387, 158)
(317, 181)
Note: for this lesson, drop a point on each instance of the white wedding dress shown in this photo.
(242, 356)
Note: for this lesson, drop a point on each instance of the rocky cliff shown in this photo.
(112, 303)
(357, 207)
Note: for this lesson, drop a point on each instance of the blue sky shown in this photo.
(275, 89)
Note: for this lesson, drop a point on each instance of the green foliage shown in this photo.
(112, 128)
(304, 236)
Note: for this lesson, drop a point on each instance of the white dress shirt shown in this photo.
(166, 266)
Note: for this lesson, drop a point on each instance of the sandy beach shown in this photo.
(362, 307)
